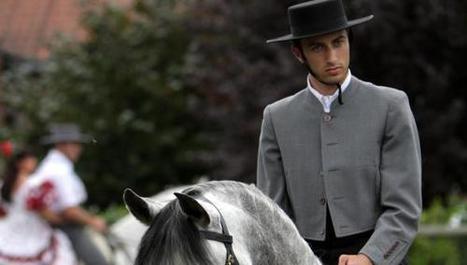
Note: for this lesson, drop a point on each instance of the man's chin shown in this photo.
(333, 80)
(328, 79)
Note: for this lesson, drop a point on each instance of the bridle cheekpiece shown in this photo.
(223, 237)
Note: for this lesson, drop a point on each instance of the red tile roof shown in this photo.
(28, 26)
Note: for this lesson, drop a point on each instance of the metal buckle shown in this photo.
(230, 260)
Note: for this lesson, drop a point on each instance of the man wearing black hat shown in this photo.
(341, 157)
(57, 168)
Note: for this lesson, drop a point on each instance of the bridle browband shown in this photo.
(223, 237)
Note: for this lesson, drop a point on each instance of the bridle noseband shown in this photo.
(223, 237)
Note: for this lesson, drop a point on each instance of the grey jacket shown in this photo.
(362, 160)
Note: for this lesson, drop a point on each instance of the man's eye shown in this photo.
(338, 43)
(317, 48)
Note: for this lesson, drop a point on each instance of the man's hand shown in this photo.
(98, 224)
(359, 259)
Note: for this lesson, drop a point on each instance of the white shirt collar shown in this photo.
(326, 101)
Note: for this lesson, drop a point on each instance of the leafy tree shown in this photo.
(237, 74)
(124, 86)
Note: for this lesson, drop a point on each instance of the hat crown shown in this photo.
(64, 128)
(64, 132)
(316, 16)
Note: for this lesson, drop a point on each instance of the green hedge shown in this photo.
(440, 250)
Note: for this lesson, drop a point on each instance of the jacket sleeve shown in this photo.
(270, 178)
(401, 199)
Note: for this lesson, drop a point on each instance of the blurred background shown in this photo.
(173, 91)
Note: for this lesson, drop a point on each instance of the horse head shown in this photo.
(222, 222)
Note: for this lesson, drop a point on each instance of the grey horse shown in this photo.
(219, 222)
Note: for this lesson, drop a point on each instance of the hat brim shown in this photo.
(349, 24)
(54, 139)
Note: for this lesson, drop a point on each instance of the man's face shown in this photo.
(328, 55)
(71, 149)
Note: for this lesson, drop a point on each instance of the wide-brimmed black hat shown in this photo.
(317, 17)
(65, 132)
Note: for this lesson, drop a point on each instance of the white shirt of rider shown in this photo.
(58, 169)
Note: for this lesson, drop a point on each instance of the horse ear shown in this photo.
(142, 208)
(193, 209)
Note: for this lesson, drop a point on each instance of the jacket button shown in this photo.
(327, 117)
(322, 201)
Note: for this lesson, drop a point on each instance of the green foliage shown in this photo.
(113, 213)
(124, 86)
(440, 250)
(440, 213)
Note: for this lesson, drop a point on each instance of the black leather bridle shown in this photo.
(223, 237)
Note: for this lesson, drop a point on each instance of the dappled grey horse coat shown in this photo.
(362, 160)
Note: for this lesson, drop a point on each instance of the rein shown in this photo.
(223, 237)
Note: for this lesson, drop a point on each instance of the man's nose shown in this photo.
(331, 55)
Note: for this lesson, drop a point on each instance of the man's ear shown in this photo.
(194, 209)
(143, 209)
(297, 52)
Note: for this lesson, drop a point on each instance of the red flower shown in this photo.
(41, 197)
(6, 148)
